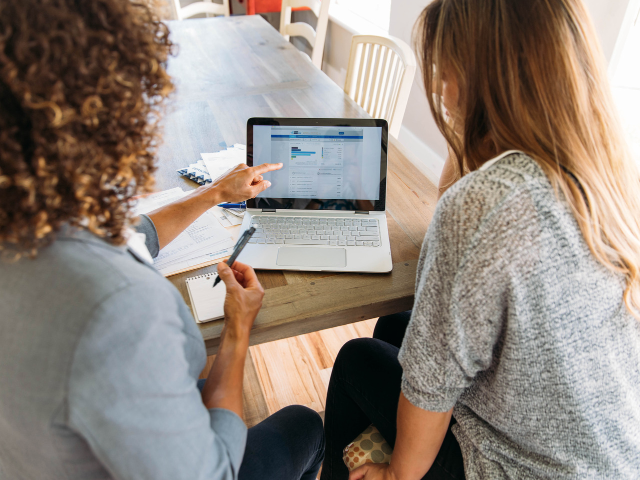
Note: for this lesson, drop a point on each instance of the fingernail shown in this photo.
(268, 183)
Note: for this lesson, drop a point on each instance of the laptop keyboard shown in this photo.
(334, 231)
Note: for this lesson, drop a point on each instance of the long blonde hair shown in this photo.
(532, 77)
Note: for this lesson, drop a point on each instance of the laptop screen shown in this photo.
(325, 167)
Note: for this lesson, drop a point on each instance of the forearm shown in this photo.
(223, 388)
(171, 220)
(419, 437)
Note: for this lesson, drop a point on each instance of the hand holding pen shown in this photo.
(243, 300)
(242, 242)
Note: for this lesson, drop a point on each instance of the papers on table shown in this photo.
(228, 217)
(220, 163)
(196, 261)
(212, 167)
(149, 203)
(215, 165)
(205, 240)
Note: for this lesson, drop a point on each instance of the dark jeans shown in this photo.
(364, 389)
(289, 445)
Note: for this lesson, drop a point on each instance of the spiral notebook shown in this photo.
(207, 303)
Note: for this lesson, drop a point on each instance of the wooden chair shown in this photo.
(379, 77)
(206, 6)
(316, 38)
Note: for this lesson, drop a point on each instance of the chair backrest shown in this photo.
(379, 77)
(206, 6)
(314, 37)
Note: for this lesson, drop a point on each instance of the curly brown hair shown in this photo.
(81, 88)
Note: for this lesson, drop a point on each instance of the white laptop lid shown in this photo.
(329, 164)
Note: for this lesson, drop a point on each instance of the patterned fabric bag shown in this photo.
(368, 447)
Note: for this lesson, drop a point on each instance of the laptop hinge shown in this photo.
(362, 212)
(268, 210)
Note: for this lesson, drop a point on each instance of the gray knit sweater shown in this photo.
(518, 326)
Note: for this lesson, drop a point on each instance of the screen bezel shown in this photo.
(379, 205)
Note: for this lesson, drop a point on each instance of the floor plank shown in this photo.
(296, 370)
(254, 405)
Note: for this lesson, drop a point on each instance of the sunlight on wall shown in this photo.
(626, 87)
(374, 11)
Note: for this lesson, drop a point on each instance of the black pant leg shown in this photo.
(365, 389)
(289, 445)
(391, 328)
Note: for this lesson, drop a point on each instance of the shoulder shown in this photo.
(102, 269)
(493, 212)
(72, 277)
(489, 186)
(478, 196)
(115, 285)
(136, 318)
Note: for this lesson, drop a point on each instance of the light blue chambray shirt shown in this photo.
(99, 359)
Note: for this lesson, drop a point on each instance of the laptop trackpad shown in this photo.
(312, 257)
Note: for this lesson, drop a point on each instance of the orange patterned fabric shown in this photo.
(368, 447)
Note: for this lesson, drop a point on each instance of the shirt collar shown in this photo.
(495, 160)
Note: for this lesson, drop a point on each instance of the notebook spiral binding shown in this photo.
(197, 277)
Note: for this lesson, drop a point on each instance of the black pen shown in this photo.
(242, 241)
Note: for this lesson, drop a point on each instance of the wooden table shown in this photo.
(230, 69)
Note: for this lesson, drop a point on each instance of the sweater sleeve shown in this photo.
(147, 227)
(465, 269)
(131, 396)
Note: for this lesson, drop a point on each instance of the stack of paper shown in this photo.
(215, 165)
(196, 172)
(228, 217)
(220, 163)
(205, 241)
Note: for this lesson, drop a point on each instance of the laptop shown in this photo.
(325, 209)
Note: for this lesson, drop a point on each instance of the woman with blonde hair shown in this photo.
(521, 357)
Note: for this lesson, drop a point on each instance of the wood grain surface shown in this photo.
(230, 69)
(292, 371)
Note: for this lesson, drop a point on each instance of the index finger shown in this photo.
(266, 167)
(250, 277)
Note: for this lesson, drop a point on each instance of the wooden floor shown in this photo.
(293, 371)
(296, 370)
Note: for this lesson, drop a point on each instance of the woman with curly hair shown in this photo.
(99, 355)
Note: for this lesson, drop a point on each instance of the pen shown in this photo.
(242, 241)
(233, 205)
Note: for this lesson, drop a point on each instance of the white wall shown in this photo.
(419, 133)
(607, 16)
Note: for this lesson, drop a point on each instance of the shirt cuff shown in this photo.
(146, 226)
(441, 401)
(233, 433)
